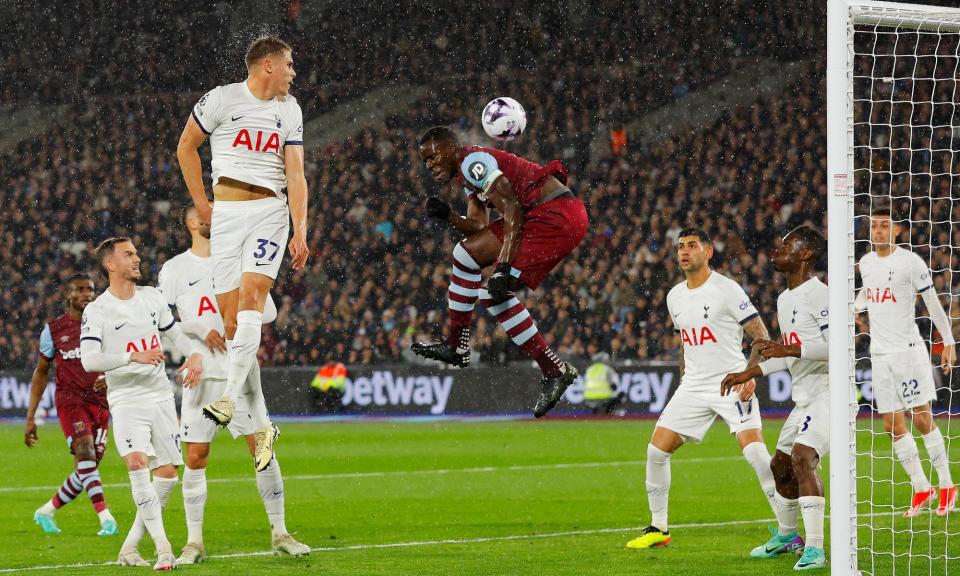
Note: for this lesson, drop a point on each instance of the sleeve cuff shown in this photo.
(199, 123)
(749, 318)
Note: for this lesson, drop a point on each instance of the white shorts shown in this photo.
(195, 427)
(150, 428)
(903, 380)
(691, 412)
(247, 236)
(808, 425)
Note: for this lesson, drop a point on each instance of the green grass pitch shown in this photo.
(477, 498)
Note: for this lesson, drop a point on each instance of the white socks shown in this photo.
(906, 450)
(658, 485)
(194, 500)
(786, 512)
(938, 456)
(243, 351)
(270, 485)
(256, 402)
(811, 508)
(149, 499)
(757, 455)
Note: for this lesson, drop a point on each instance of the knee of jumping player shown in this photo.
(229, 327)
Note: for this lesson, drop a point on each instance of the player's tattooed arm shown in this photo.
(757, 330)
(502, 196)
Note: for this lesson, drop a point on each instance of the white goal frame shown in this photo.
(842, 15)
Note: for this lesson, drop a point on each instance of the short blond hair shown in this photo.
(264, 46)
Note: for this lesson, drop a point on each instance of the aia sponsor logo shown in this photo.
(265, 141)
(791, 339)
(881, 295)
(697, 336)
(142, 345)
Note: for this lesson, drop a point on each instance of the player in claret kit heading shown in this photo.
(256, 146)
(803, 313)
(902, 373)
(542, 222)
(120, 336)
(710, 312)
(81, 403)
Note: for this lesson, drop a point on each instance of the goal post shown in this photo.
(919, 35)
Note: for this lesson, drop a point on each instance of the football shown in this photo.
(504, 119)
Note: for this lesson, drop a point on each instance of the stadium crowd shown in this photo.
(376, 280)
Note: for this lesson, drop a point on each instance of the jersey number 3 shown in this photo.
(261, 251)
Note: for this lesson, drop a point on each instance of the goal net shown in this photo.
(894, 144)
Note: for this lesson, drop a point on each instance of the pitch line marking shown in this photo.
(437, 471)
(443, 542)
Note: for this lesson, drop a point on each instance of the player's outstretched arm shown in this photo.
(189, 159)
(297, 197)
(41, 377)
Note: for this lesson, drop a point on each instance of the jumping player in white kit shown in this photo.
(186, 281)
(710, 312)
(256, 143)
(804, 315)
(902, 373)
(120, 336)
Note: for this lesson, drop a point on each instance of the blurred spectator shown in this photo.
(329, 385)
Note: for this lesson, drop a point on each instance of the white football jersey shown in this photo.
(889, 295)
(804, 315)
(710, 321)
(132, 325)
(248, 135)
(186, 281)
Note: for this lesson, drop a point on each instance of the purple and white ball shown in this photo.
(504, 119)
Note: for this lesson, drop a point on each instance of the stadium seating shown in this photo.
(377, 275)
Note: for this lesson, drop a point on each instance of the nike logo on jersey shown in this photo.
(119, 326)
(192, 283)
(232, 119)
(262, 263)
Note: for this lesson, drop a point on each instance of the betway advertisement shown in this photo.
(427, 391)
